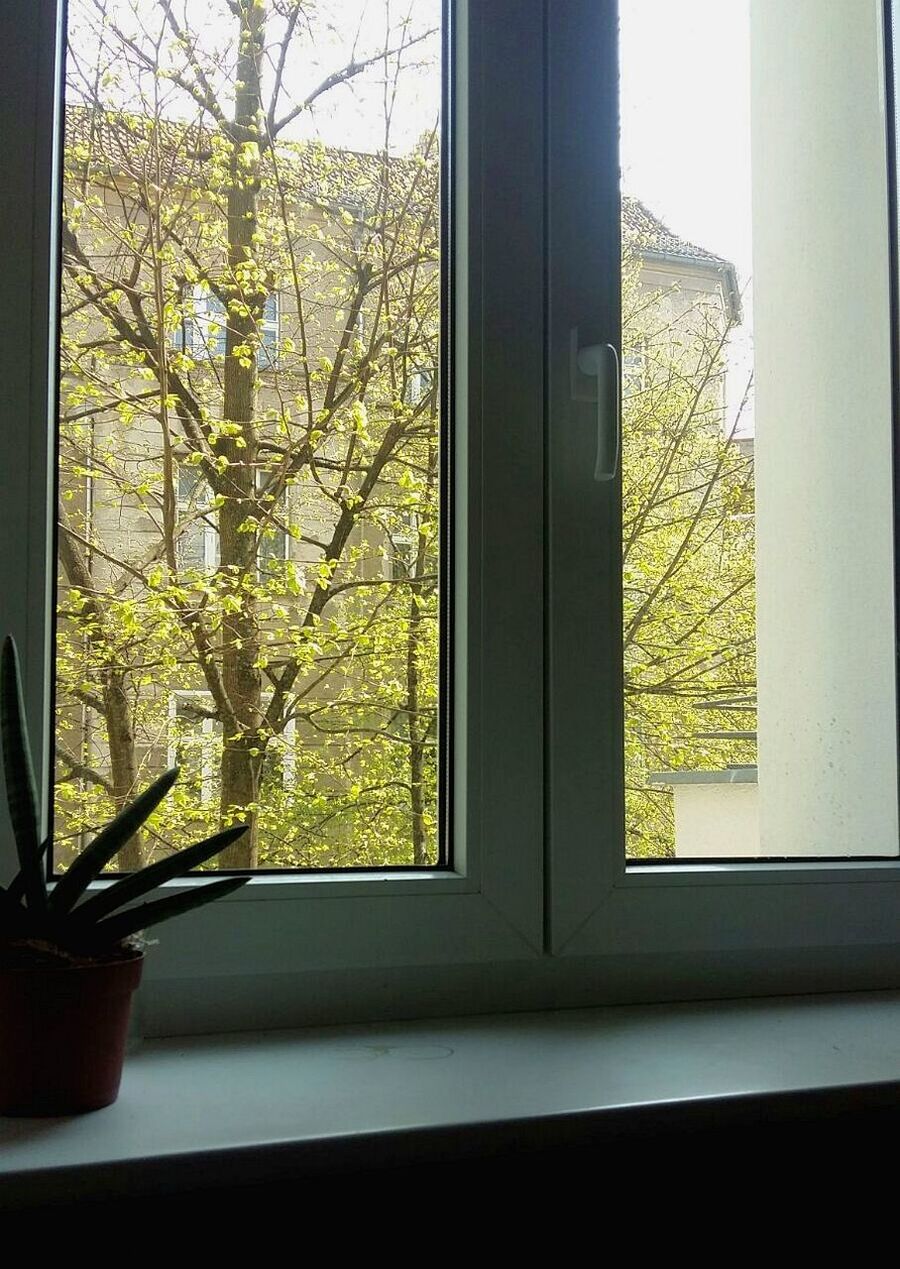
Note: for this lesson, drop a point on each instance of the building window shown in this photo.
(195, 741)
(197, 543)
(195, 746)
(273, 540)
(420, 384)
(401, 549)
(204, 328)
(634, 372)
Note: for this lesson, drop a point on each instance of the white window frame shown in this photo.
(420, 383)
(290, 931)
(203, 741)
(536, 798)
(281, 512)
(402, 539)
(209, 536)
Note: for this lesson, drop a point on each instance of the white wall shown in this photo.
(717, 821)
(827, 728)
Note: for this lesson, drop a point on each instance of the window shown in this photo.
(197, 544)
(454, 802)
(634, 369)
(749, 735)
(195, 746)
(219, 593)
(402, 549)
(273, 538)
(194, 739)
(421, 382)
(203, 331)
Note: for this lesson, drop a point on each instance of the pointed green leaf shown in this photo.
(12, 914)
(94, 858)
(18, 769)
(141, 917)
(140, 883)
(16, 887)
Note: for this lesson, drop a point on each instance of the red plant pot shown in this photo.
(62, 1035)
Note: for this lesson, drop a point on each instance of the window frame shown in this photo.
(486, 907)
(534, 911)
(775, 925)
(201, 742)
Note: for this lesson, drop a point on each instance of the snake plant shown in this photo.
(63, 915)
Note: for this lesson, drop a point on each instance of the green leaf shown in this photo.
(139, 883)
(12, 914)
(116, 928)
(94, 858)
(21, 790)
(16, 887)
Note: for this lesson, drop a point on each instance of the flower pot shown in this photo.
(62, 1035)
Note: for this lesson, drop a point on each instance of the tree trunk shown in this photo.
(242, 751)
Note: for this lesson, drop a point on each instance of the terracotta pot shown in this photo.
(62, 1035)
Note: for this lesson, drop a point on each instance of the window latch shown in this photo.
(596, 377)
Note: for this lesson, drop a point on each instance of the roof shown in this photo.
(655, 240)
(132, 143)
(339, 179)
(651, 234)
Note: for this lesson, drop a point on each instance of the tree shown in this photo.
(250, 454)
(184, 212)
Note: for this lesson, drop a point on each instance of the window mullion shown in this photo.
(30, 74)
(584, 737)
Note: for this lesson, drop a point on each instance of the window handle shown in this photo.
(600, 363)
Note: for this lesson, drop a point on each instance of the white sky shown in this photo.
(685, 141)
(353, 115)
(685, 118)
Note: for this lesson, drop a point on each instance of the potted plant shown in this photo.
(70, 961)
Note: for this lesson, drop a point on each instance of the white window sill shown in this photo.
(236, 1109)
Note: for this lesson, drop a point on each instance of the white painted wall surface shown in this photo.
(827, 725)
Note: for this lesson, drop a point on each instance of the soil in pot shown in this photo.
(63, 1028)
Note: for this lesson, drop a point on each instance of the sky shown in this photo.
(353, 115)
(685, 142)
(685, 99)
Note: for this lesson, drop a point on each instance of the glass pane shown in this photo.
(757, 461)
(251, 289)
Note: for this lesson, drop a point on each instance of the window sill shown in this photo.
(236, 1110)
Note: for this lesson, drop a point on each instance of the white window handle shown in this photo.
(601, 363)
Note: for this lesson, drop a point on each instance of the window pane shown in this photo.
(757, 462)
(251, 288)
